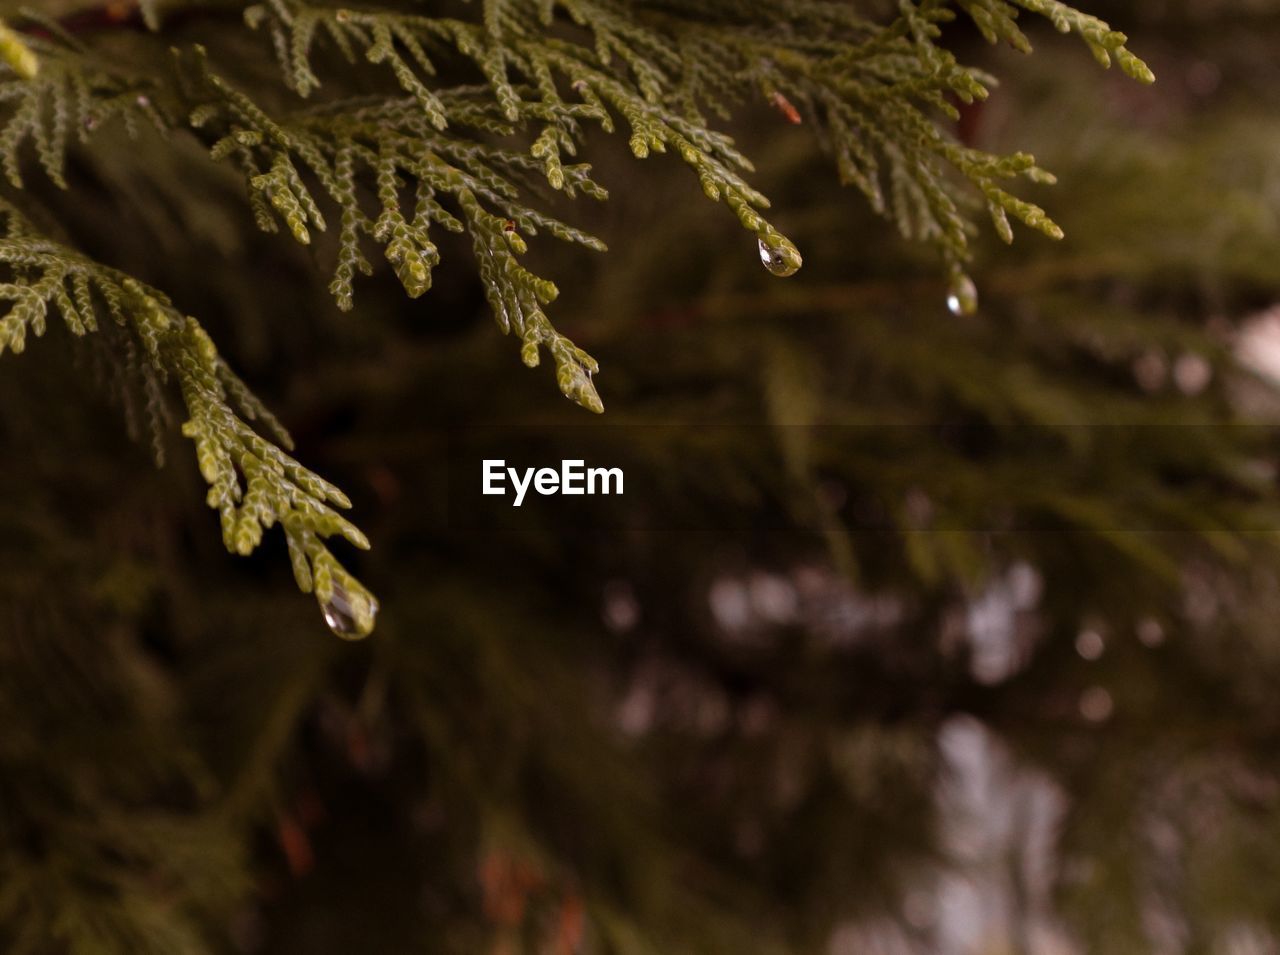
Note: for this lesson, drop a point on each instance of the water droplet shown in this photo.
(962, 295)
(349, 615)
(782, 259)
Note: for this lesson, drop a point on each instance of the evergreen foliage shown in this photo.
(464, 153)
(736, 736)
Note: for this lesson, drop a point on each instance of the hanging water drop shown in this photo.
(962, 295)
(781, 258)
(349, 615)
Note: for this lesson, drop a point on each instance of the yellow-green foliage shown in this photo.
(873, 90)
(475, 153)
(16, 54)
(253, 484)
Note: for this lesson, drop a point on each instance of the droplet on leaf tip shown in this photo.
(777, 260)
(349, 616)
(962, 295)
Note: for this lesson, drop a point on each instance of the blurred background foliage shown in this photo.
(999, 679)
